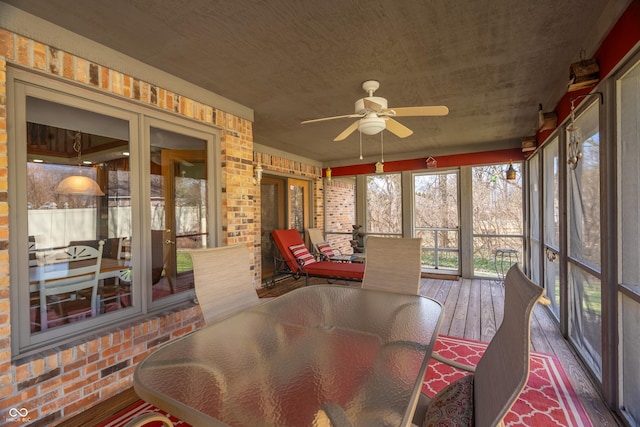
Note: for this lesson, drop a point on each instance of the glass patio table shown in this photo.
(351, 355)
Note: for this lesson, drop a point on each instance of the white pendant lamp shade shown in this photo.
(79, 185)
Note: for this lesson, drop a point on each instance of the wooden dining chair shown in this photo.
(223, 281)
(483, 398)
(393, 264)
(62, 274)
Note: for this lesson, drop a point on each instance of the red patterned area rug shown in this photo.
(548, 399)
(140, 408)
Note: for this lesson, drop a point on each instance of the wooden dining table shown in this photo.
(109, 267)
(354, 356)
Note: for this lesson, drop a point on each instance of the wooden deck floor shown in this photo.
(473, 310)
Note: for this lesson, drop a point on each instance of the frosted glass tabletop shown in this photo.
(351, 355)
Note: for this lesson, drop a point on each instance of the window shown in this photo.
(628, 91)
(79, 173)
(551, 222)
(384, 204)
(497, 217)
(583, 222)
(534, 218)
(436, 219)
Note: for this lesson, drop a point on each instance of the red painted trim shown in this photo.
(624, 35)
(454, 160)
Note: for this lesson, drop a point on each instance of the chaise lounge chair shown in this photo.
(295, 259)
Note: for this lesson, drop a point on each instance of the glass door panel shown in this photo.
(272, 217)
(285, 203)
(551, 223)
(299, 209)
(178, 209)
(629, 232)
(586, 316)
(534, 219)
(583, 214)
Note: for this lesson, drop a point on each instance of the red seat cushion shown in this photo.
(335, 269)
(283, 240)
(287, 238)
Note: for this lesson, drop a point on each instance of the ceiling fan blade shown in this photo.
(348, 131)
(427, 110)
(332, 118)
(398, 129)
(371, 105)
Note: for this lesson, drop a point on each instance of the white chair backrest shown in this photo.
(393, 264)
(223, 281)
(503, 370)
(68, 270)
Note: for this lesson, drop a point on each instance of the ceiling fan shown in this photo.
(375, 116)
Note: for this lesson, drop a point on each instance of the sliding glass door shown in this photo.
(178, 209)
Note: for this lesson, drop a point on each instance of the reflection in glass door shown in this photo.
(298, 205)
(285, 203)
(272, 213)
(178, 211)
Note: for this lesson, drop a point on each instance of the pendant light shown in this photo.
(511, 172)
(79, 185)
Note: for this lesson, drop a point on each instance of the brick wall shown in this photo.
(58, 384)
(340, 200)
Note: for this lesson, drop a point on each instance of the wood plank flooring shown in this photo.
(473, 310)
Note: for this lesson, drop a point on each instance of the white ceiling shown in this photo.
(490, 61)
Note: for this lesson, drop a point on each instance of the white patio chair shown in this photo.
(393, 264)
(321, 246)
(223, 281)
(483, 398)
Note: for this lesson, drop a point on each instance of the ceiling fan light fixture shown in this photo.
(371, 125)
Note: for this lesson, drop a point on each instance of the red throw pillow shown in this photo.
(325, 249)
(301, 253)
